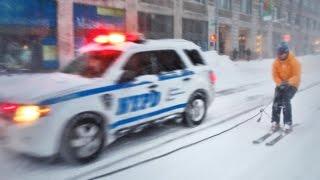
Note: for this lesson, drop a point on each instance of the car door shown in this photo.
(174, 78)
(139, 98)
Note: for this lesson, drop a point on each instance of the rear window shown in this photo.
(194, 57)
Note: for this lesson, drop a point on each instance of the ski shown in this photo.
(264, 137)
(279, 137)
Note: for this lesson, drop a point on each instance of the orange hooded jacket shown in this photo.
(288, 70)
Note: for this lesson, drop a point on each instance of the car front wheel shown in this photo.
(83, 139)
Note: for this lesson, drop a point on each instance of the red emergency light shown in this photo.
(112, 38)
(104, 36)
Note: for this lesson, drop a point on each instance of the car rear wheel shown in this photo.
(195, 111)
(83, 139)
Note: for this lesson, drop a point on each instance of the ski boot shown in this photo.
(287, 128)
(275, 126)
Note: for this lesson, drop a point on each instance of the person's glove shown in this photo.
(284, 86)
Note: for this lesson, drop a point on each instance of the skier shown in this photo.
(286, 72)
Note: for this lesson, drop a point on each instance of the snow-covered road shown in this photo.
(233, 156)
(244, 87)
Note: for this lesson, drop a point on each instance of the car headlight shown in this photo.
(29, 113)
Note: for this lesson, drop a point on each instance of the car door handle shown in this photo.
(186, 79)
(153, 86)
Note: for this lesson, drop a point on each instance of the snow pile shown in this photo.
(225, 69)
(219, 61)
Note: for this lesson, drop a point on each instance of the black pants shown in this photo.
(282, 99)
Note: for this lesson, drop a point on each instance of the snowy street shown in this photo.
(232, 156)
(159, 90)
(221, 148)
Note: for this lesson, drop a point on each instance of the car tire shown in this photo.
(83, 139)
(195, 111)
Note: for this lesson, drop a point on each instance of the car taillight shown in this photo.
(8, 109)
(22, 114)
(212, 77)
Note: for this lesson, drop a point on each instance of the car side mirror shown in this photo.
(127, 76)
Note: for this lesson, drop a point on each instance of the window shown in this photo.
(195, 31)
(92, 65)
(155, 26)
(16, 53)
(141, 63)
(246, 6)
(289, 17)
(200, 1)
(276, 13)
(169, 60)
(225, 4)
(307, 23)
(297, 20)
(154, 62)
(194, 57)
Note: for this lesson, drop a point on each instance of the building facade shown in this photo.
(46, 34)
(156, 19)
(242, 26)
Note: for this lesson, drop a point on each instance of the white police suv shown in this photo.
(118, 85)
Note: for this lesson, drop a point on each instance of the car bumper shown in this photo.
(32, 139)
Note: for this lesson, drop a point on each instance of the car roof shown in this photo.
(153, 44)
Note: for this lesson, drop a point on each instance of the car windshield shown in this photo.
(92, 65)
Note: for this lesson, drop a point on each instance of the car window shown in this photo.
(194, 57)
(169, 60)
(92, 65)
(140, 63)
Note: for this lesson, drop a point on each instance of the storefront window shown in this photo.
(155, 26)
(15, 54)
(25, 28)
(89, 17)
(225, 4)
(246, 6)
(196, 31)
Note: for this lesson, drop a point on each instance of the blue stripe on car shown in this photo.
(94, 91)
(89, 92)
(169, 75)
(144, 116)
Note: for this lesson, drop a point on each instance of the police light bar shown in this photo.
(117, 38)
(114, 38)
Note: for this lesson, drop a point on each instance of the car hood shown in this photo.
(29, 88)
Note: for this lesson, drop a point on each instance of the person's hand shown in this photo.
(284, 85)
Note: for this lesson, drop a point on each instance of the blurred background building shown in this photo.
(45, 34)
